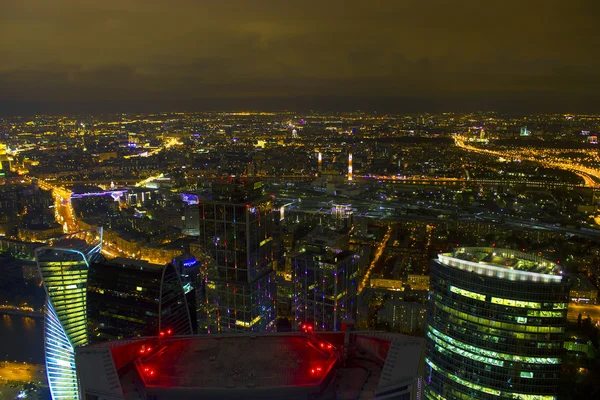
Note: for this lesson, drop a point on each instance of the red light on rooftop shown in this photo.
(142, 351)
(322, 345)
(162, 334)
(329, 347)
(149, 349)
(169, 331)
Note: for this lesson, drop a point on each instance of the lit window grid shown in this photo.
(509, 302)
(499, 325)
(488, 390)
(441, 338)
(60, 359)
(550, 297)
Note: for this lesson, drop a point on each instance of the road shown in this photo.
(590, 176)
(378, 254)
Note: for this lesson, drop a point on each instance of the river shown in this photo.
(22, 339)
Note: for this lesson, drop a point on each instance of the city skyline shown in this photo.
(280, 200)
(391, 56)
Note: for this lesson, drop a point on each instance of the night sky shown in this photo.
(393, 55)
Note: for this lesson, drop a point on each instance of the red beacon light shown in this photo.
(169, 331)
(162, 334)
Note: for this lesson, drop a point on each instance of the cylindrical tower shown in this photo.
(495, 326)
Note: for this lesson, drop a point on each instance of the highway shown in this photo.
(590, 176)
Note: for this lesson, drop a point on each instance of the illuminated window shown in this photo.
(487, 390)
(516, 303)
(437, 336)
(466, 293)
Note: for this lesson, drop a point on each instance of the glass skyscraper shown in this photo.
(129, 298)
(236, 232)
(324, 288)
(64, 268)
(495, 326)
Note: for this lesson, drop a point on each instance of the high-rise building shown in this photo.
(64, 268)
(129, 298)
(495, 326)
(236, 232)
(324, 288)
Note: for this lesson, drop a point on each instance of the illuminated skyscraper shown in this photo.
(325, 287)
(64, 270)
(236, 232)
(495, 326)
(350, 166)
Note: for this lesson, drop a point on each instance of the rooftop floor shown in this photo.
(505, 258)
(230, 362)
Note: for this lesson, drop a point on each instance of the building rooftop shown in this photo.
(247, 366)
(503, 263)
(134, 263)
(227, 362)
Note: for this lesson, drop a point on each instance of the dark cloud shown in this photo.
(394, 54)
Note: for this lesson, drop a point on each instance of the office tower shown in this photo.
(495, 326)
(129, 298)
(64, 268)
(274, 366)
(236, 227)
(525, 131)
(324, 288)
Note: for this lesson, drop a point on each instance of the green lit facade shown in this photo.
(495, 326)
(64, 269)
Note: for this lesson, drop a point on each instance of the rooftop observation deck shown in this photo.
(271, 366)
(237, 362)
(503, 263)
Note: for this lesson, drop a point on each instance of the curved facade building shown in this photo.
(64, 270)
(130, 298)
(495, 326)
